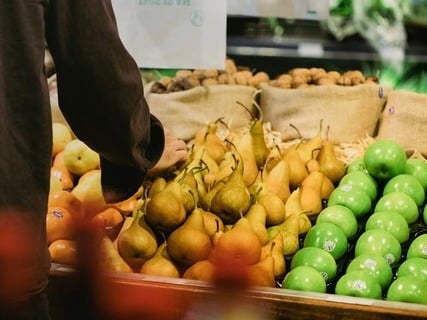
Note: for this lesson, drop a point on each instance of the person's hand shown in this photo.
(174, 153)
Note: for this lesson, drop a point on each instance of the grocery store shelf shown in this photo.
(307, 43)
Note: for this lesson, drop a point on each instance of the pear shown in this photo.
(203, 270)
(214, 145)
(158, 184)
(273, 205)
(304, 223)
(289, 230)
(297, 168)
(259, 144)
(261, 274)
(277, 180)
(327, 187)
(165, 210)
(333, 167)
(213, 223)
(111, 260)
(137, 243)
(160, 264)
(257, 216)
(310, 196)
(206, 198)
(273, 157)
(190, 242)
(274, 247)
(232, 200)
(246, 152)
(240, 245)
(188, 186)
(310, 148)
(293, 204)
(226, 167)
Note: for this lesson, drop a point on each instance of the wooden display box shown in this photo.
(136, 296)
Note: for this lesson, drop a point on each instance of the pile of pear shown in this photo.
(238, 203)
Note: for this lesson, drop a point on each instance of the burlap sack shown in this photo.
(185, 112)
(404, 119)
(352, 113)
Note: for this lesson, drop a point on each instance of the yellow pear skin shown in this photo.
(214, 145)
(333, 167)
(261, 274)
(137, 243)
(239, 244)
(311, 188)
(297, 168)
(190, 242)
(226, 168)
(293, 204)
(165, 210)
(258, 139)
(245, 149)
(310, 148)
(233, 199)
(277, 180)
(158, 184)
(203, 270)
(160, 264)
(289, 230)
(111, 259)
(257, 216)
(213, 223)
(275, 248)
(327, 187)
(274, 207)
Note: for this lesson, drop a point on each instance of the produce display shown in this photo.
(294, 215)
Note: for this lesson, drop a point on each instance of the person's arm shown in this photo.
(101, 94)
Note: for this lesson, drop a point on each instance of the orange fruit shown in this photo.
(59, 224)
(58, 161)
(108, 218)
(65, 199)
(64, 176)
(63, 251)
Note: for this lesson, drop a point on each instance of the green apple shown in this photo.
(399, 202)
(304, 278)
(380, 242)
(390, 221)
(329, 237)
(374, 264)
(352, 197)
(358, 283)
(384, 159)
(79, 158)
(415, 266)
(341, 216)
(355, 165)
(362, 179)
(418, 247)
(408, 184)
(418, 168)
(318, 259)
(408, 289)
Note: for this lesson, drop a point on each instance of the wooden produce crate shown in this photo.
(133, 296)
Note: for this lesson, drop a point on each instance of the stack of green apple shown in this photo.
(371, 238)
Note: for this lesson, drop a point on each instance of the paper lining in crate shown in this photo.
(184, 112)
(351, 112)
(404, 119)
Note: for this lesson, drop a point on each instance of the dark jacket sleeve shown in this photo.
(100, 92)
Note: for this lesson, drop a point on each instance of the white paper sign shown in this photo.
(291, 9)
(174, 34)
